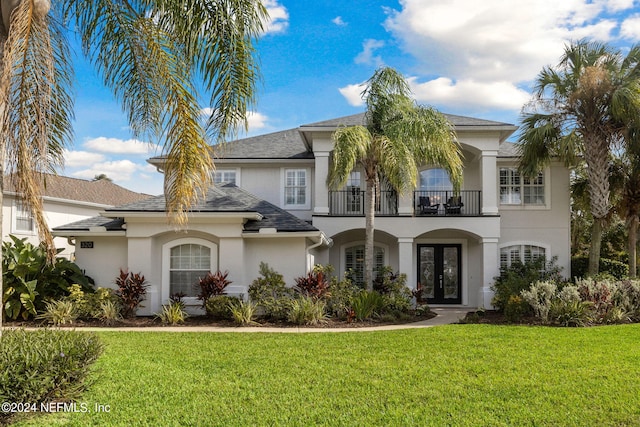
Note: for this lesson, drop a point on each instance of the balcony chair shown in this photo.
(454, 206)
(426, 208)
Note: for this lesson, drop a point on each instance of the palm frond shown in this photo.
(351, 145)
(38, 108)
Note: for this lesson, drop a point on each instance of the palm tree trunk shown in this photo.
(369, 215)
(594, 250)
(633, 243)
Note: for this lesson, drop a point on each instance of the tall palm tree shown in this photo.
(579, 111)
(398, 137)
(157, 56)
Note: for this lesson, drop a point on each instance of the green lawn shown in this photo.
(475, 375)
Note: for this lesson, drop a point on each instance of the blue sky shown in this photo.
(467, 57)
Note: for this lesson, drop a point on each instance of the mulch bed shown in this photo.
(142, 321)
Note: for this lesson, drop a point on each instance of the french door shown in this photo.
(440, 273)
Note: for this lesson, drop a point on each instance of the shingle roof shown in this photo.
(101, 192)
(358, 119)
(509, 149)
(111, 224)
(224, 198)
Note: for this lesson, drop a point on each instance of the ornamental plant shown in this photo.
(212, 284)
(132, 288)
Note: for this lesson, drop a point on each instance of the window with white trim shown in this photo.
(521, 253)
(23, 217)
(295, 187)
(225, 175)
(354, 192)
(435, 180)
(518, 190)
(354, 262)
(187, 264)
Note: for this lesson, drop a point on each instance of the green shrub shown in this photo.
(340, 296)
(627, 297)
(516, 308)
(212, 284)
(366, 304)
(59, 312)
(218, 307)
(270, 293)
(518, 277)
(108, 312)
(539, 296)
(132, 289)
(173, 314)
(393, 288)
(244, 312)
(570, 312)
(29, 280)
(307, 310)
(580, 266)
(43, 365)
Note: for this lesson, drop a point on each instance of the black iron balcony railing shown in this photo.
(351, 203)
(449, 203)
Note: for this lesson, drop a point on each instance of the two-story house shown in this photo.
(272, 204)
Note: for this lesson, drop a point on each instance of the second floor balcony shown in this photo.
(351, 202)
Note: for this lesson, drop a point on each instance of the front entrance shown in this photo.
(440, 272)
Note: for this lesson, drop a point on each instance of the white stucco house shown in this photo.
(65, 200)
(272, 204)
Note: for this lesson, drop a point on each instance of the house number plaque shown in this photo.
(86, 245)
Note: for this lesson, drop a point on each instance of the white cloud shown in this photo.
(492, 40)
(353, 94)
(119, 170)
(256, 120)
(118, 146)
(630, 28)
(366, 56)
(470, 93)
(278, 17)
(339, 21)
(81, 158)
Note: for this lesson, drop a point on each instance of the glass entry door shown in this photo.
(439, 273)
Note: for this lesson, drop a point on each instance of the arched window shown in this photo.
(522, 253)
(186, 261)
(354, 262)
(435, 180)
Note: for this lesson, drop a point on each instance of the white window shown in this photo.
(23, 218)
(522, 253)
(354, 262)
(354, 193)
(185, 262)
(296, 194)
(435, 180)
(225, 175)
(518, 190)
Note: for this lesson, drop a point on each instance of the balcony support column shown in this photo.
(321, 190)
(489, 183)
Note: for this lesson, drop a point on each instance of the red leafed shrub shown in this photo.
(314, 284)
(212, 284)
(132, 288)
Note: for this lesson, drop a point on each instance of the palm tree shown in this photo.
(579, 111)
(398, 137)
(157, 56)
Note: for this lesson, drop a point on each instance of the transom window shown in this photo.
(225, 175)
(295, 187)
(354, 262)
(522, 253)
(187, 264)
(517, 190)
(24, 219)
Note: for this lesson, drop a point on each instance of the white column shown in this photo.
(490, 269)
(405, 260)
(489, 183)
(231, 258)
(405, 204)
(321, 204)
(141, 251)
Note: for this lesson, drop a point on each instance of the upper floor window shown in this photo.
(23, 218)
(521, 253)
(225, 175)
(435, 180)
(295, 188)
(518, 190)
(354, 193)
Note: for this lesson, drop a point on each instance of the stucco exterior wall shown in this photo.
(103, 261)
(287, 256)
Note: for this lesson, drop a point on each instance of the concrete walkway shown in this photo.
(445, 316)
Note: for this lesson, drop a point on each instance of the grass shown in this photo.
(462, 375)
